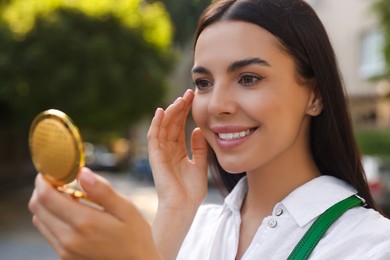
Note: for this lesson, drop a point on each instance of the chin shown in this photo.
(233, 170)
(231, 165)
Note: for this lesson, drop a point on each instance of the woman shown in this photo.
(274, 125)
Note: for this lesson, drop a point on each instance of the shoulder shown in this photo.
(360, 232)
(365, 221)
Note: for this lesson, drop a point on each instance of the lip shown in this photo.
(233, 143)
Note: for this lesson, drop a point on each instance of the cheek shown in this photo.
(199, 112)
(260, 107)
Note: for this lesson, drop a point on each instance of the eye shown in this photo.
(249, 79)
(202, 84)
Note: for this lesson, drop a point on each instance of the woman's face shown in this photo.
(247, 100)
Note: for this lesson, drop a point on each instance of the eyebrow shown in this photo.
(246, 62)
(200, 70)
(234, 66)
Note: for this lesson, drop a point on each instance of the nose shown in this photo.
(222, 101)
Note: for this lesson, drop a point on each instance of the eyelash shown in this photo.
(254, 79)
(198, 82)
(241, 80)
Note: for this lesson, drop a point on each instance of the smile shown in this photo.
(236, 135)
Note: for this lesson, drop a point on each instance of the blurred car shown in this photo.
(99, 158)
(141, 168)
(378, 176)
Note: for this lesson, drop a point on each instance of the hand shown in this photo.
(181, 182)
(78, 231)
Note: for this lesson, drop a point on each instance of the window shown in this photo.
(372, 58)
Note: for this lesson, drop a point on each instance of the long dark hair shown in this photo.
(300, 32)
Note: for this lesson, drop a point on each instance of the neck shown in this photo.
(273, 182)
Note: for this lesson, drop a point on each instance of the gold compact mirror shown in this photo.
(57, 150)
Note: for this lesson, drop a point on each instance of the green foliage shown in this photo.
(103, 69)
(374, 141)
(21, 15)
(382, 8)
(185, 15)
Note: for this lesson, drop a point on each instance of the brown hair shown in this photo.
(303, 36)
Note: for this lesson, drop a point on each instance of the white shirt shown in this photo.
(359, 233)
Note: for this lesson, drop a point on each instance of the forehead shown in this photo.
(233, 40)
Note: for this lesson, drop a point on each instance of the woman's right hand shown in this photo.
(181, 182)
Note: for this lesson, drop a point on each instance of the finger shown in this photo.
(53, 241)
(175, 118)
(52, 222)
(55, 208)
(53, 201)
(155, 125)
(187, 99)
(153, 137)
(199, 148)
(170, 116)
(182, 118)
(58, 233)
(38, 209)
(100, 191)
(188, 96)
(65, 246)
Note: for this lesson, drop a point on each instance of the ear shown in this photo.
(315, 104)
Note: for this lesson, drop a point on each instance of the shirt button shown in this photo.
(272, 223)
(278, 211)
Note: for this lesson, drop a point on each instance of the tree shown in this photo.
(102, 62)
(184, 15)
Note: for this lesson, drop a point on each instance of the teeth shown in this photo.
(231, 136)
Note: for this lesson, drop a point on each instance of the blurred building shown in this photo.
(354, 31)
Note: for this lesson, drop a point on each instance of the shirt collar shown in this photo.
(313, 198)
(305, 203)
(236, 197)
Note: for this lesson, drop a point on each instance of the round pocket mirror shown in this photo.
(57, 150)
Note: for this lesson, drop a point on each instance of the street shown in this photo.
(20, 240)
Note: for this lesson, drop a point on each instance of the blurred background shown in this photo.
(109, 63)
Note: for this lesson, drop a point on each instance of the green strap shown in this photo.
(311, 238)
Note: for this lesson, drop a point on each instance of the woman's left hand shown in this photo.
(78, 231)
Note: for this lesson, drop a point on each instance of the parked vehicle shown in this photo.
(141, 168)
(100, 158)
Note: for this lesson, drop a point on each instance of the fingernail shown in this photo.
(157, 110)
(177, 100)
(88, 177)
